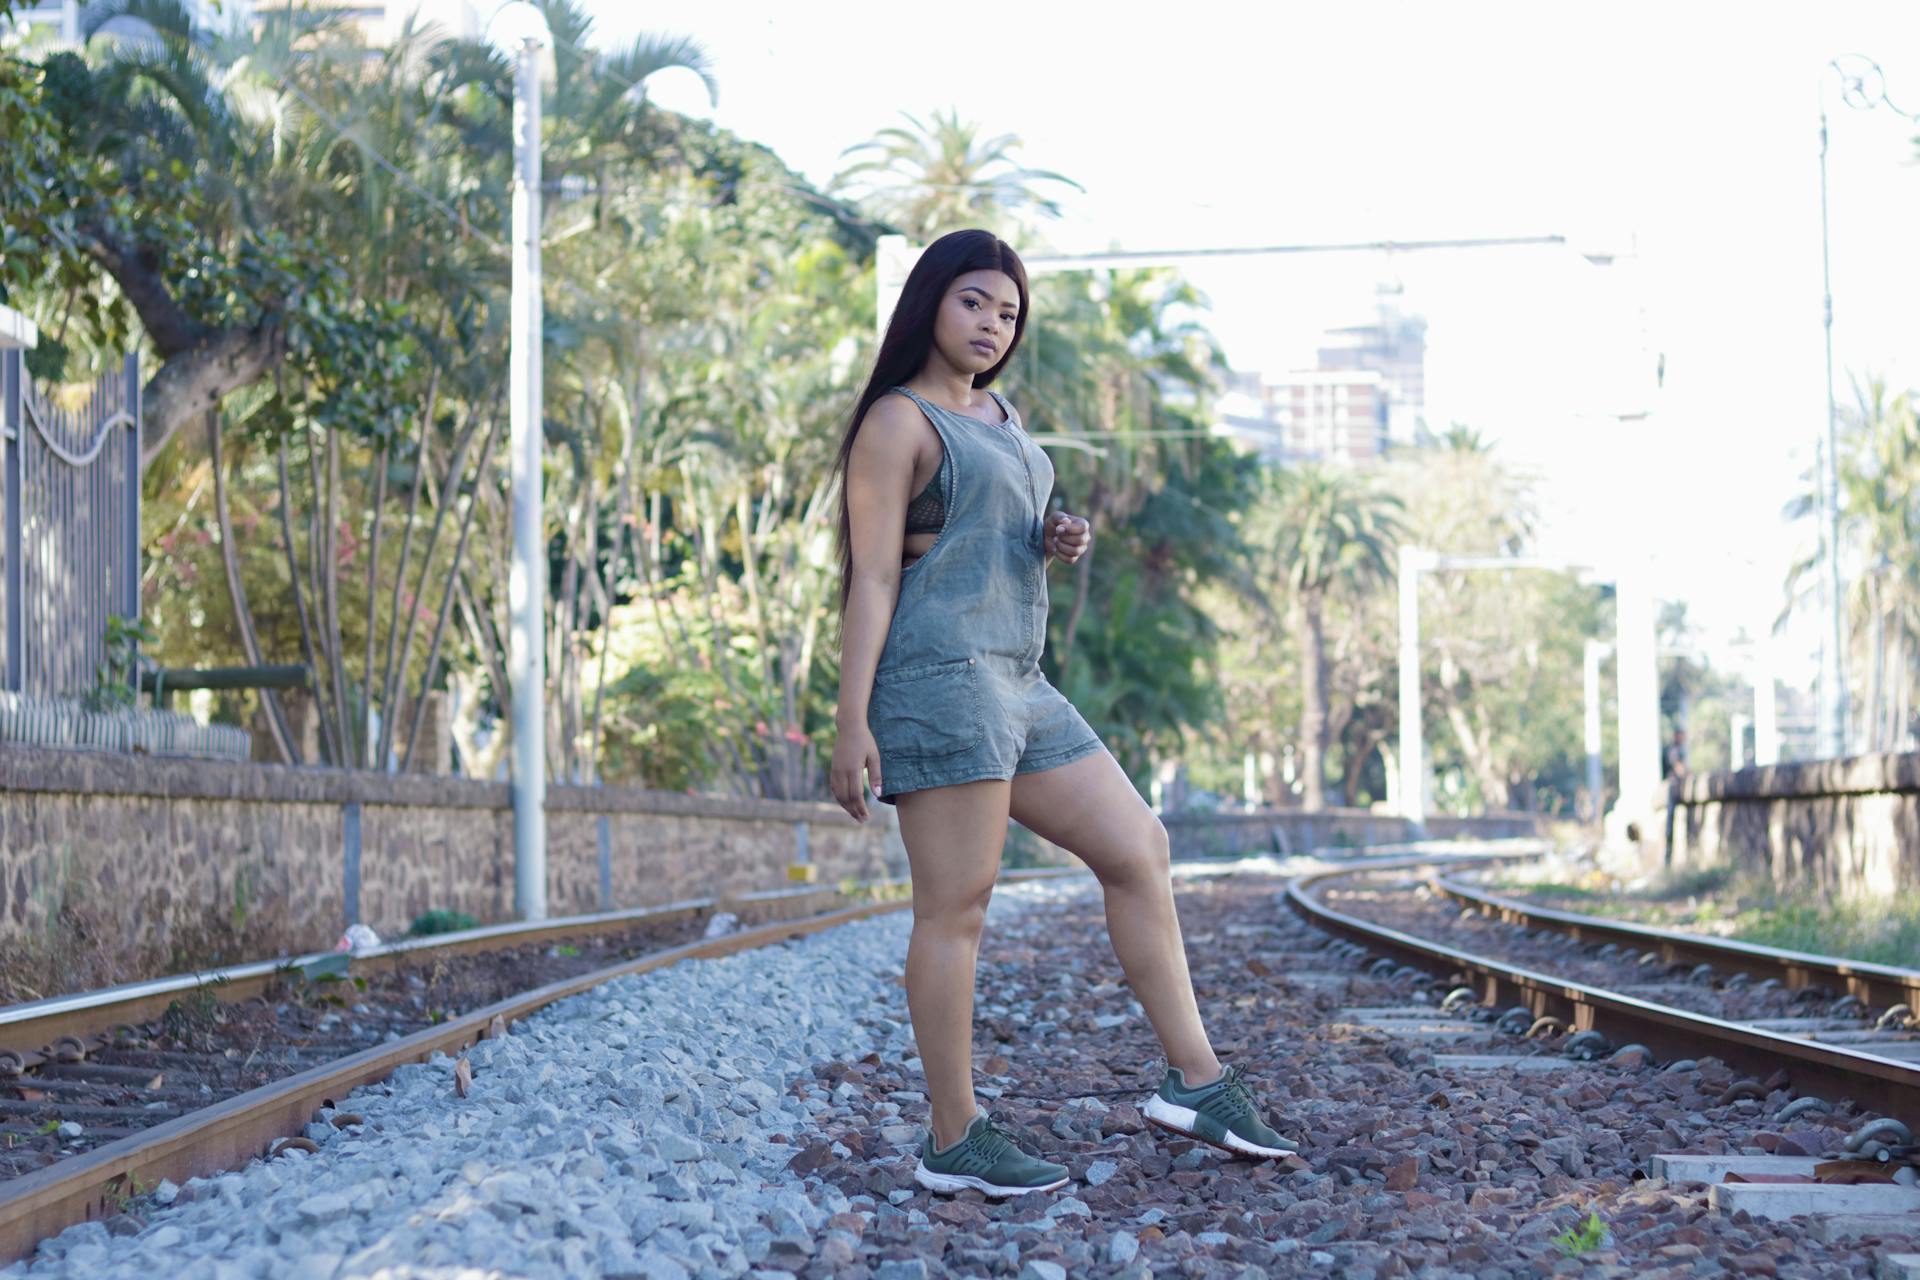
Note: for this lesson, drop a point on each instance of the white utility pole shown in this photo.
(893, 259)
(1766, 706)
(527, 583)
(1638, 677)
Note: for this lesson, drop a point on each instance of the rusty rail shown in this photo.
(1830, 1071)
(1880, 985)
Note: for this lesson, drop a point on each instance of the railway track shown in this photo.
(1413, 1161)
(254, 1051)
(1860, 1046)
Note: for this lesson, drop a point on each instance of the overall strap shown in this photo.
(948, 467)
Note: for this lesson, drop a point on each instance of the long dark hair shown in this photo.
(910, 336)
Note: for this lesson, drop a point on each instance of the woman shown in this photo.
(943, 555)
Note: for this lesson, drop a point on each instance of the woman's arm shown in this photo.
(879, 479)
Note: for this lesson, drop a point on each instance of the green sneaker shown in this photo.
(1220, 1112)
(985, 1159)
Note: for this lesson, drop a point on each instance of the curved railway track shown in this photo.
(1873, 985)
(1598, 1020)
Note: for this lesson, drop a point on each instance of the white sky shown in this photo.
(1687, 129)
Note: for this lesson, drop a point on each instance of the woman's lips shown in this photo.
(984, 346)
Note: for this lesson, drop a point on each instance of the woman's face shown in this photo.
(974, 325)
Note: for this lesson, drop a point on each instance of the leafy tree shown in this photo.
(1334, 533)
(1502, 652)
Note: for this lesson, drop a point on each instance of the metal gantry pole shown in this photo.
(1864, 88)
(1413, 764)
(1833, 678)
(526, 588)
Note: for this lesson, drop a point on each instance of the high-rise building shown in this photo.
(1331, 415)
(1394, 346)
(1366, 394)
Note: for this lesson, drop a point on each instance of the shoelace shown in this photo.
(987, 1145)
(1236, 1098)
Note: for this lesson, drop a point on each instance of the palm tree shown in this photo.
(1336, 533)
(929, 180)
(1879, 475)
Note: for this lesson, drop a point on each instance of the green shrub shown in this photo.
(440, 920)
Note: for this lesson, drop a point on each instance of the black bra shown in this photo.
(928, 512)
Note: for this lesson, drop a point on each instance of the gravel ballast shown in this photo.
(643, 1128)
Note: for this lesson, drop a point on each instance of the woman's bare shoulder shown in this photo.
(892, 423)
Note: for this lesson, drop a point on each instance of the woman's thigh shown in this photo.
(1090, 809)
(954, 836)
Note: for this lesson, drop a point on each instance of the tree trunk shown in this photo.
(293, 581)
(1313, 699)
(453, 576)
(249, 637)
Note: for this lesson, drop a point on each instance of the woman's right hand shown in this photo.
(856, 758)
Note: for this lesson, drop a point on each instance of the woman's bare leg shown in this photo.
(953, 836)
(1090, 809)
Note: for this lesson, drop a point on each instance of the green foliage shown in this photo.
(333, 212)
(117, 681)
(440, 920)
(1585, 1238)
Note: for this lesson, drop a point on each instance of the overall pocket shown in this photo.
(926, 712)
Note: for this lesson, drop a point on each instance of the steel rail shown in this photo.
(1831, 1071)
(89, 1016)
(234, 1131)
(1878, 985)
(30, 1026)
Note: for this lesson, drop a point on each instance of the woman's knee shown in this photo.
(961, 913)
(1146, 860)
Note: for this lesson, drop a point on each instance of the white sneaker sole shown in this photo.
(950, 1182)
(1180, 1120)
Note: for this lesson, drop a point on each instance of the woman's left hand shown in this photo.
(1067, 538)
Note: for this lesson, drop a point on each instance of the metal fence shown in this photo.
(70, 557)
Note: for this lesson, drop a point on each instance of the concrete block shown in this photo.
(1692, 1168)
(1898, 1266)
(1503, 1062)
(1764, 1200)
(1320, 980)
(1407, 1029)
(1839, 1228)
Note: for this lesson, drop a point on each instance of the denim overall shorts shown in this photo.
(958, 695)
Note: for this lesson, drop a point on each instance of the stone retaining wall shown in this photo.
(1847, 828)
(148, 845)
